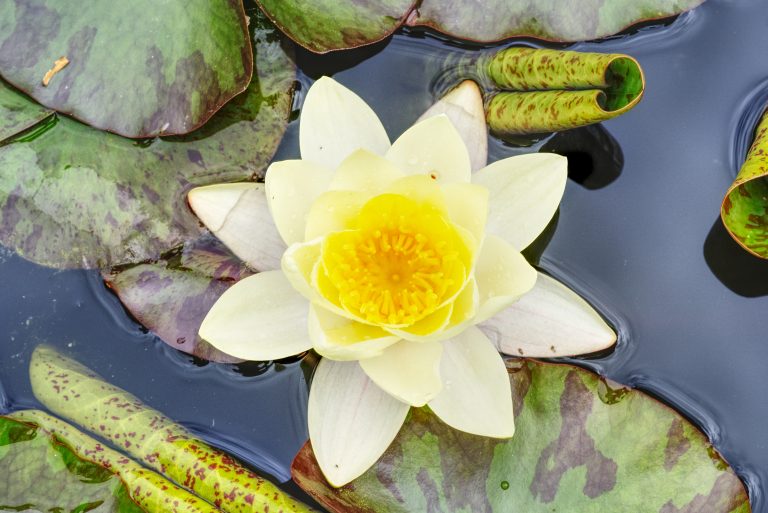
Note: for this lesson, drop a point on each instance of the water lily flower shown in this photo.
(401, 267)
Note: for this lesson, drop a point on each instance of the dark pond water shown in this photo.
(638, 234)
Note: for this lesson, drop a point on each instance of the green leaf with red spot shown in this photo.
(581, 444)
(171, 297)
(17, 112)
(73, 196)
(140, 68)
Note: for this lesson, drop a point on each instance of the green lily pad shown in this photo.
(140, 68)
(73, 196)
(17, 112)
(581, 444)
(745, 207)
(339, 24)
(171, 297)
(40, 473)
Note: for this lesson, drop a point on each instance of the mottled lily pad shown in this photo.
(171, 297)
(745, 206)
(339, 24)
(17, 112)
(140, 68)
(581, 444)
(74, 196)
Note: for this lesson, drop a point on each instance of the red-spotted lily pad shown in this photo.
(581, 444)
(17, 112)
(140, 68)
(339, 24)
(74, 196)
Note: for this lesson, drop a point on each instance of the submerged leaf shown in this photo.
(581, 444)
(17, 112)
(745, 206)
(76, 197)
(78, 394)
(138, 68)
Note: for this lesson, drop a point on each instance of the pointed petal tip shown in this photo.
(212, 203)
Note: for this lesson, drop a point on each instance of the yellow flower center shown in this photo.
(402, 261)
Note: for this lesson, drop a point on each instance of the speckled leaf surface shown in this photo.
(325, 25)
(76, 393)
(171, 297)
(74, 196)
(745, 206)
(17, 112)
(140, 68)
(39, 473)
(581, 444)
(552, 20)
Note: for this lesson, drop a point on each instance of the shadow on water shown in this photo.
(744, 274)
(595, 158)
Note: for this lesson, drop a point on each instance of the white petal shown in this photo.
(261, 317)
(550, 320)
(477, 397)
(298, 263)
(333, 211)
(292, 186)
(410, 371)
(467, 206)
(237, 213)
(351, 420)
(525, 193)
(503, 275)
(464, 107)
(340, 338)
(366, 172)
(335, 122)
(433, 148)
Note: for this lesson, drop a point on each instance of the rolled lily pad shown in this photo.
(136, 488)
(340, 24)
(40, 473)
(138, 68)
(78, 394)
(581, 444)
(17, 112)
(74, 196)
(745, 207)
(557, 90)
(171, 297)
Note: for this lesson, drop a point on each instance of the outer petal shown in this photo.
(410, 371)
(477, 397)
(351, 420)
(549, 321)
(433, 148)
(503, 275)
(259, 318)
(237, 213)
(365, 172)
(525, 193)
(292, 186)
(340, 338)
(464, 107)
(335, 122)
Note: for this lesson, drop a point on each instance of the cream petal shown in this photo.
(335, 122)
(551, 320)
(365, 172)
(340, 338)
(261, 317)
(237, 213)
(351, 420)
(464, 107)
(298, 264)
(476, 396)
(292, 186)
(333, 211)
(503, 275)
(409, 371)
(432, 148)
(525, 193)
(467, 206)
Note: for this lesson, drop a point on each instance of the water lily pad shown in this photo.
(171, 297)
(745, 206)
(581, 444)
(139, 68)
(339, 24)
(17, 112)
(74, 196)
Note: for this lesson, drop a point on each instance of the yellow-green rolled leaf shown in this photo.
(78, 394)
(745, 206)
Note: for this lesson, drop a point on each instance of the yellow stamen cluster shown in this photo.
(402, 262)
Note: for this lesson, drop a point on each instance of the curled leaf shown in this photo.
(17, 112)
